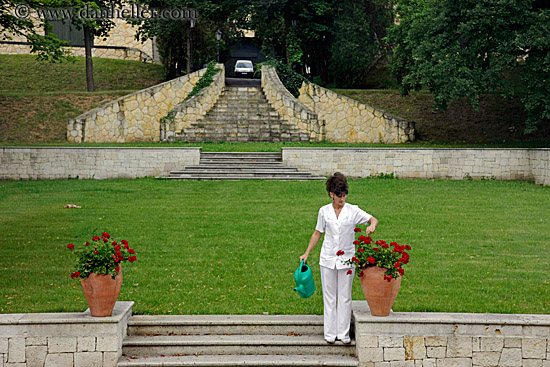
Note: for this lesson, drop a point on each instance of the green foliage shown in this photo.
(46, 47)
(358, 45)
(290, 79)
(205, 80)
(467, 48)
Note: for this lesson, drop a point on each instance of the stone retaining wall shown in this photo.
(20, 163)
(451, 340)
(23, 163)
(457, 164)
(349, 121)
(189, 112)
(289, 108)
(63, 339)
(132, 118)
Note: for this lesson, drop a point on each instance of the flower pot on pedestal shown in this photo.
(101, 292)
(379, 293)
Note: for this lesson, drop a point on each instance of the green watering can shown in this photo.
(305, 285)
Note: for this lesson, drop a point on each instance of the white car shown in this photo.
(244, 68)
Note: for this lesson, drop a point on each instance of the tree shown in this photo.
(15, 19)
(174, 37)
(471, 47)
(359, 39)
(87, 15)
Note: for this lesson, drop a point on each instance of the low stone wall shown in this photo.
(63, 339)
(132, 118)
(193, 110)
(450, 340)
(23, 163)
(289, 108)
(349, 121)
(500, 164)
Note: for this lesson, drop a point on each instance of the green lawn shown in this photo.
(232, 247)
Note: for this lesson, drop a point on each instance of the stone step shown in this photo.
(232, 344)
(239, 178)
(205, 173)
(237, 168)
(225, 324)
(240, 361)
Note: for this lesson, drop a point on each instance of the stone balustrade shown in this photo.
(132, 118)
(193, 110)
(289, 108)
(423, 339)
(349, 121)
(63, 339)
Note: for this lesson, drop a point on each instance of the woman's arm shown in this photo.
(373, 223)
(315, 237)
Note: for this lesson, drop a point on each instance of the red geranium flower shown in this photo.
(70, 246)
(105, 235)
(357, 229)
(131, 251)
(360, 249)
(371, 259)
(339, 253)
(95, 238)
(356, 242)
(349, 272)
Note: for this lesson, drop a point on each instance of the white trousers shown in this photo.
(337, 286)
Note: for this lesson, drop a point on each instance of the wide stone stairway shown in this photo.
(242, 114)
(219, 340)
(241, 166)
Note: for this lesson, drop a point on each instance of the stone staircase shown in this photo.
(220, 340)
(242, 114)
(241, 166)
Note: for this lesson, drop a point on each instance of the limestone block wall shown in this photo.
(289, 108)
(501, 164)
(193, 110)
(63, 339)
(540, 165)
(24, 163)
(122, 36)
(132, 118)
(347, 120)
(451, 340)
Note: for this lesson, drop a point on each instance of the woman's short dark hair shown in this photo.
(337, 184)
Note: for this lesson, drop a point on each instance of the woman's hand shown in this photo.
(371, 229)
(304, 257)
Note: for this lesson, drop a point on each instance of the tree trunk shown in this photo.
(188, 50)
(89, 66)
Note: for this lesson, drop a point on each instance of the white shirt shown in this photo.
(339, 234)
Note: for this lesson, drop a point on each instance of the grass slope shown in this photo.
(232, 247)
(37, 99)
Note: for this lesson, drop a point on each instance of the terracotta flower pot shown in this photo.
(101, 293)
(380, 293)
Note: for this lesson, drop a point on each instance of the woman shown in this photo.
(337, 221)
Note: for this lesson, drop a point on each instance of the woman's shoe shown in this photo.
(346, 340)
(330, 340)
